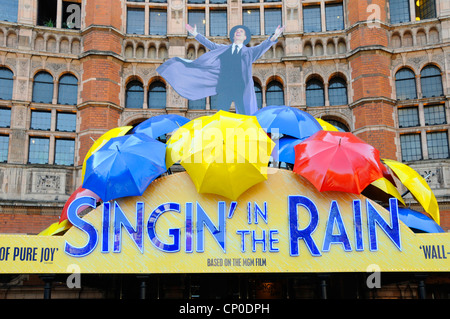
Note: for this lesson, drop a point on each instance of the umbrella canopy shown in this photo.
(125, 166)
(288, 121)
(418, 221)
(225, 153)
(284, 150)
(382, 189)
(417, 185)
(337, 161)
(115, 132)
(56, 228)
(160, 125)
(326, 126)
(79, 192)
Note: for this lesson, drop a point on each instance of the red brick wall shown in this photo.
(104, 12)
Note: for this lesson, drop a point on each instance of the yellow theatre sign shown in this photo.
(281, 225)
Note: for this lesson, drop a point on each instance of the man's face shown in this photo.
(239, 35)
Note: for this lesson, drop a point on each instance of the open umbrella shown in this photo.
(418, 221)
(79, 192)
(125, 166)
(160, 125)
(417, 185)
(382, 189)
(284, 149)
(115, 132)
(225, 153)
(337, 161)
(288, 121)
(326, 126)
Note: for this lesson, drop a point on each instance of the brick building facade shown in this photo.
(69, 71)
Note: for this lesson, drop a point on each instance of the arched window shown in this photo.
(43, 88)
(274, 93)
(339, 125)
(258, 93)
(405, 84)
(157, 95)
(431, 81)
(68, 90)
(314, 93)
(6, 84)
(134, 95)
(337, 92)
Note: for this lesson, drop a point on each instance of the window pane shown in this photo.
(411, 147)
(311, 19)
(213, 103)
(158, 22)
(314, 93)
(435, 115)
(38, 150)
(334, 16)
(4, 144)
(43, 88)
(250, 1)
(197, 17)
(405, 83)
(218, 1)
(9, 10)
(5, 117)
(196, 1)
(437, 145)
(134, 95)
(218, 23)
(197, 104)
(250, 19)
(399, 11)
(408, 117)
(425, 9)
(272, 19)
(258, 93)
(431, 81)
(68, 90)
(64, 152)
(157, 96)
(337, 92)
(274, 94)
(135, 21)
(69, 10)
(6, 84)
(66, 122)
(41, 120)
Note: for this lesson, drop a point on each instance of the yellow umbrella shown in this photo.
(224, 154)
(326, 126)
(115, 132)
(382, 189)
(56, 228)
(417, 185)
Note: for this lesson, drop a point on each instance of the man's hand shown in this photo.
(192, 30)
(277, 33)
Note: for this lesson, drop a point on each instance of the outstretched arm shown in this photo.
(200, 38)
(279, 30)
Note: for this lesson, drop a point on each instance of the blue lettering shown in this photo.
(294, 233)
(260, 212)
(188, 234)
(273, 241)
(261, 241)
(121, 220)
(218, 233)
(83, 225)
(243, 233)
(105, 227)
(173, 232)
(393, 232)
(335, 217)
(358, 225)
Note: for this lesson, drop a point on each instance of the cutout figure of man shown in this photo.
(225, 70)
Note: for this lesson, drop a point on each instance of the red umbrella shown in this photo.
(337, 161)
(80, 192)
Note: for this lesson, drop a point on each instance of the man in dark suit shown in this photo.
(225, 71)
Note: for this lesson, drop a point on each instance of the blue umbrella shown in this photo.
(160, 125)
(418, 221)
(288, 121)
(125, 166)
(285, 148)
